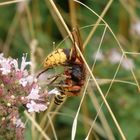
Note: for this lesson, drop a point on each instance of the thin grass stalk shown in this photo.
(112, 81)
(56, 110)
(97, 22)
(132, 53)
(33, 47)
(37, 126)
(100, 44)
(11, 2)
(86, 113)
(102, 105)
(133, 74)
(10, 34)
(52, 126)
(131, 69)
(102, 21)
(43, 123)
(96, 54)
(124, 23)
(33, 43)
(37, 15)
(48, 110)
(107, 81)
(98, 129)
(56, 19)
(130, 9)
(73, 18)
(74, 126)
(96, 137)
(61, 18)
(101, 115)
(104, 122)
(30, 21)
(45, 115)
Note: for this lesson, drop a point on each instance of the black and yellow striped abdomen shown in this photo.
(59, 98)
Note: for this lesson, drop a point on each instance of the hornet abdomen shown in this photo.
(59, 98)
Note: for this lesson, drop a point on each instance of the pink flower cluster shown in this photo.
(18, 91)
